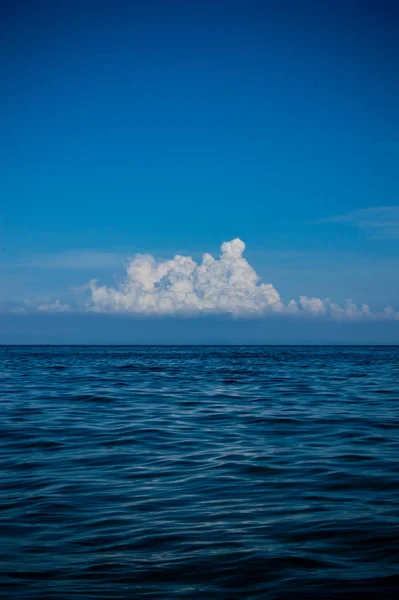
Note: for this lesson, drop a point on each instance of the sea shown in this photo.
(199, 472)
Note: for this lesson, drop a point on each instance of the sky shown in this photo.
(164, 128)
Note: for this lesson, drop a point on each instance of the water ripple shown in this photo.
(199, 472)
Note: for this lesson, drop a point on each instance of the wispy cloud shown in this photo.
(380, 222)
(40, 305)
(75, 260)
(56, 307)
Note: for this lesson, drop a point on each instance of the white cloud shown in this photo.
(226, 285)
(313, 305)
(180, 285)
(53, 307)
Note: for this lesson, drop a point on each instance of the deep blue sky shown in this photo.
(172, 126)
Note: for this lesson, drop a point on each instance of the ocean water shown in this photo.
(199, 472)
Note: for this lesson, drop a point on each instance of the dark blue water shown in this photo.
(199, 472)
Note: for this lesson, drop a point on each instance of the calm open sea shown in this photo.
(199, 472)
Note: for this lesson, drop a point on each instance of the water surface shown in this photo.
(199, 472)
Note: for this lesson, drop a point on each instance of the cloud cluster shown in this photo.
(227, 284)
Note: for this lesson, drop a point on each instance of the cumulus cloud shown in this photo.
(227, 284)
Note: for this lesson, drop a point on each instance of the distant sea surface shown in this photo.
(199, 472)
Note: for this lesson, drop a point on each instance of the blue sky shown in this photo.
(171, 127)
